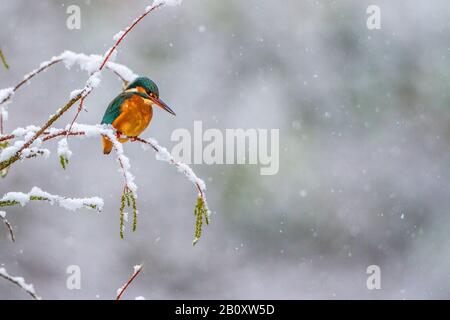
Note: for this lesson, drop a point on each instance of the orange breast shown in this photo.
(135, 116)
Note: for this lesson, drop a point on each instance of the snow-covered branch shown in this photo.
(20, 282)
(36, 194)
(83, 61)
(201, 210)
(129, 194)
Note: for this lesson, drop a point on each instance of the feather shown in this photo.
(114, 108)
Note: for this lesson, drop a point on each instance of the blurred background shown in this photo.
(364, 151)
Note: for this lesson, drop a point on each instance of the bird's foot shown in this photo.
(133, 139)
(118, 135)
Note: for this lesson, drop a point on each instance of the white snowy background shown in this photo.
(364, 151)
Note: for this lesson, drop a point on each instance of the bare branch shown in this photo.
(127, 30)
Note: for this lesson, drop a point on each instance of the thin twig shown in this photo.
(135, 22)
(29, 76)
(137, 270)
(8, 137)
(8, 225)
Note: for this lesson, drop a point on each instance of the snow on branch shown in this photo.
(20, 282)
(36, 194)
(136, 270)
(118, 37)
(85, 62)
(201, 210)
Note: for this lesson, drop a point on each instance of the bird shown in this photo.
(131, 111)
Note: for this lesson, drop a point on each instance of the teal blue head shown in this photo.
(149, 87)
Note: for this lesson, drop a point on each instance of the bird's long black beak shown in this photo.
(162, 105)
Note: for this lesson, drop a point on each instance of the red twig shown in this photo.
(8, 137)
(80, 107)
(135, 22)
(130, 280)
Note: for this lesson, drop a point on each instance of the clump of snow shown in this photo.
(121, 70)
(21, 132)
(140, 298)
(6, 94)
(188, 172)
(75, 93)
(94, 79)
(25, 133)
(163, 154)
(89, 63)
(165, 3)
(63, 149)
(19, 197)
(137, 268)
(31, 152)
(10, 151)
(118, 35)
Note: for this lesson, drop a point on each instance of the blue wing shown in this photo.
(113, 110)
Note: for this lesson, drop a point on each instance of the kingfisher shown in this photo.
(131, 111)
